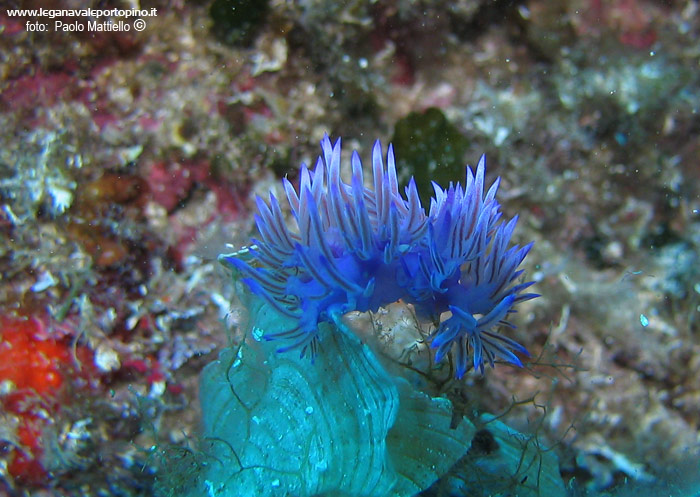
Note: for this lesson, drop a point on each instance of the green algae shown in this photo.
(432, 149)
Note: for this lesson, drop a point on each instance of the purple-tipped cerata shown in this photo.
(357, 249)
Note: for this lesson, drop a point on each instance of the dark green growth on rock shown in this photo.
(237, 22)
(432, 149)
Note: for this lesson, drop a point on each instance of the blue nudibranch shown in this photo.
(358, 249)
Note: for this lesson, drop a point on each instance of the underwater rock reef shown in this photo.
(129, 160)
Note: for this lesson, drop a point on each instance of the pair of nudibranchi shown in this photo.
(357, 249)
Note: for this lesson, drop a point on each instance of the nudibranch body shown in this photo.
(356, 248)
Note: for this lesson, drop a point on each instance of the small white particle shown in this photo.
(501, 135)
(62, 198)
(258, 333)
(46, 280)
(157, 389)
(106, 359)
(210, 488)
